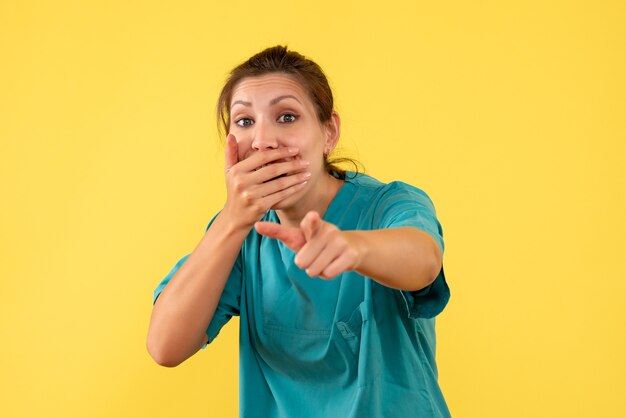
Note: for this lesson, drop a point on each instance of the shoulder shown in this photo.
(398, 190)
(393, 190)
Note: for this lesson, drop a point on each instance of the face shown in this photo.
(273, 111)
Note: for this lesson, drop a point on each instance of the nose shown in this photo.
(264, 136)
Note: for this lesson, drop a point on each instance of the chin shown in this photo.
(284, 204)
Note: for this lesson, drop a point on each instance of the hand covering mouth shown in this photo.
(282, 160)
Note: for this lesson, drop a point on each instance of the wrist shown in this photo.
(358, 242)
(231, 224)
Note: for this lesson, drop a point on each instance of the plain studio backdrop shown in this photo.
(510, 115)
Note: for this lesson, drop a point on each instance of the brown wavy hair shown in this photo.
(278, 59)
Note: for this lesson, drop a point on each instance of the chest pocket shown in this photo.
(302, 349)
(295, 302)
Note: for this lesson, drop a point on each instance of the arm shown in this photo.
(187, 304)
(185, 307)
(402, 258)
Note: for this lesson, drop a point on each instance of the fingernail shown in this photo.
(304, 163)
(292, 150)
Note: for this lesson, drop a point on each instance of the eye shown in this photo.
(244, 122)
(287, 118)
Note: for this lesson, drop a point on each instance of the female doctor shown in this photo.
(337, 277)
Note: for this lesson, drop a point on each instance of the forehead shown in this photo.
(266, 87)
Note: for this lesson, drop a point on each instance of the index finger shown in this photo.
(231, 152)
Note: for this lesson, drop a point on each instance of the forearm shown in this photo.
(401, 258)
(188, 302)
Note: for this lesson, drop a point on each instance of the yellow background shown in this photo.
(510, 115)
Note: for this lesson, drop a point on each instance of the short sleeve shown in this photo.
(229, 303)
(403, 205)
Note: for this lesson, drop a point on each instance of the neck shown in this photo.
(318, 200)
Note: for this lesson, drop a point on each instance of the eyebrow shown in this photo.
(272, 102)
(286, 96)
(241, 102)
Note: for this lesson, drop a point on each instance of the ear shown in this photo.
(333, 131)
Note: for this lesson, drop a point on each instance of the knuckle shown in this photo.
(274, 170)
(238, 186)
(342, 246)
(332, 233)
(246, 197)
(284, 182)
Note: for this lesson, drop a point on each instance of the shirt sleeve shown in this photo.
(403, 205)
(229, 303)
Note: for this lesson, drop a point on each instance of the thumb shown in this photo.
(232, 157)
(311, 224)
(293, 238)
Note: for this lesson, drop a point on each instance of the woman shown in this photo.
(336, 276)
